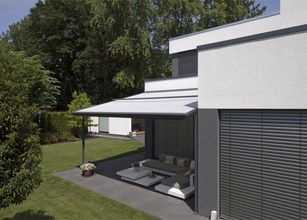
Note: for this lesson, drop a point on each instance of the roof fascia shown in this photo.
(261, 36)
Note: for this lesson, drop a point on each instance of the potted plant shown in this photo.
(136, 166)
(132, 133)
(87, 169)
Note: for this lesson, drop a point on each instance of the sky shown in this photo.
(12, 11)
(273, 6)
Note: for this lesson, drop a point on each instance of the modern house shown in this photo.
(237, 105)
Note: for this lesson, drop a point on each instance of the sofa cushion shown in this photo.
(179, 181)
(192, 165)
(162, 158)
(169, 159)
(156, 164)
(181, 162)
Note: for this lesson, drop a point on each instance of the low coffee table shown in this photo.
(130, 173)
(142, 177)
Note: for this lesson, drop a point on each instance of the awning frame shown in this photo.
(186, 97)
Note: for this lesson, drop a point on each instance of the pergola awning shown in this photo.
(162, 104)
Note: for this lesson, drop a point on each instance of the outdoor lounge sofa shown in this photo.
(181, 171)
(164, 168)
(181, 187)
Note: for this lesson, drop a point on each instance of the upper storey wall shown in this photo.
(292, 13)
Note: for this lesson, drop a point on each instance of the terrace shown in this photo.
(105, 182)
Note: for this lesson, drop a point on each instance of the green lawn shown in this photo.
(59, 199)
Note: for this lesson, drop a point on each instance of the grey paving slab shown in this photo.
(157, 204)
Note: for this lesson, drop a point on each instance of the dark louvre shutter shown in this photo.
(263, 164)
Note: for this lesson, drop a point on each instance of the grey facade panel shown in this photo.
(149, 138)
(183, 143)
(174, 137)
(175, 65)
(208, 162)
(185, 63)
(263, 164)
(160, 137)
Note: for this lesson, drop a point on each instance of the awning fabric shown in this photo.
(166, 104)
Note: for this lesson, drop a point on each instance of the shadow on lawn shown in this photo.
(31, 214)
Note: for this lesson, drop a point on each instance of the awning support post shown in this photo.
(195, 131)
(83, 139)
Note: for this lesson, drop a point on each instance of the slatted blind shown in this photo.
(263, 164)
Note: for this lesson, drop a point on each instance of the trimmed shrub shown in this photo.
(54, 128)
(53, 122)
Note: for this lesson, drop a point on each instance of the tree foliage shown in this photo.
(80, 101)
(54, 127)
(54, 30)
(107, 48)
(174, 18)
(25, 88)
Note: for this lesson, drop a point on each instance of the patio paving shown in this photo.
(105, 182)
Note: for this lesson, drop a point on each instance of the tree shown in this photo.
(107, 48)
(178, 17)
(25, 88)
(80, 101)
(55, 31)
(137, 31)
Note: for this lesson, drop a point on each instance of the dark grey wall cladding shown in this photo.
(208, 161)
(263, 169)
(149, 140)
(184, 63)
(174, 137)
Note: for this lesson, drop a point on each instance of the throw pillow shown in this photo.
(162, 158)
(181, 162)
(169, 159)
(187, 162)
(192, 165)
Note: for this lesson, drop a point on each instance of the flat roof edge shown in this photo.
(171, 78)
(280, 32)
(224, 26)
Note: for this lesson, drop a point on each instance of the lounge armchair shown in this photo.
(181, 170)
(180, 186)
(168, 165)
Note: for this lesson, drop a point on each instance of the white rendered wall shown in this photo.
(94, 128)
(263, 74)
(171, 84)
(119, 126)
(292, 13)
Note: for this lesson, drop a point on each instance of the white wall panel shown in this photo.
(104, 124)
(292, 13)
(263, 74)
(171, 84)
(95, 122)
(119, 126)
